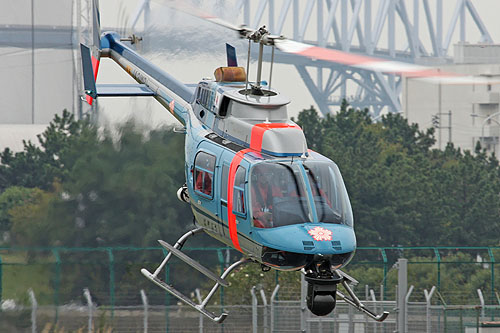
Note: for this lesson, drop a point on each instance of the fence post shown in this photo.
(55, 252)
(407, 300)
(111, 280)
(221, 263)
(303, 306)
(438, 257)
(145, 305)
(200, 300)
(254, 310)
(167, 295)
(402, 289)
(375, 307)
(273, 299)
(350, 310)
(264, 312)
(481, 299)
(384, 258)
(1, 273)
(428, 297)
(34, 306)
(492, 263)
(86, 293)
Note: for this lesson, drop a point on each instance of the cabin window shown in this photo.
(204, 97)
(204, 166)
(239, 191)
(223, 107)
(223, 189)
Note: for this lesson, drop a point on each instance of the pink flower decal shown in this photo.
(320, 234)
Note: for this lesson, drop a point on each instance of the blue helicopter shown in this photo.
(251, 181)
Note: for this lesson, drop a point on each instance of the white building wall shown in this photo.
(470, 106)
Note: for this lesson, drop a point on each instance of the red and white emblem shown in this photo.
(320, 234)
(171, 105)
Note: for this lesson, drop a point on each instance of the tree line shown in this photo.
(404, 192)
(82, 186)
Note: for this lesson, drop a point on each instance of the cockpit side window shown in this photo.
(204, 166)
(239, 192)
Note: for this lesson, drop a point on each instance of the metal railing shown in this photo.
(264, 315)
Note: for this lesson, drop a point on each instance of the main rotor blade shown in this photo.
(378, 65)
(369, 63)
(194, 11)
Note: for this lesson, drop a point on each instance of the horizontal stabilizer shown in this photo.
(200, 268)
(117, 90)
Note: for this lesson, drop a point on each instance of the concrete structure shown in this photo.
(462, 114)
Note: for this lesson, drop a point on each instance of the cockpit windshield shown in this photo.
(328, 191)
(281, 194)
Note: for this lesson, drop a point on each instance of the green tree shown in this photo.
(13, 197)
(52, 158)
(402, 191)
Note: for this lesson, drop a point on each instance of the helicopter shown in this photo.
(250, 180)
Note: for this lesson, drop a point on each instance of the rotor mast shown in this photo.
(262, 37)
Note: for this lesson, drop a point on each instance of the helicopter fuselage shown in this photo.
(230, 132)
(240, 131)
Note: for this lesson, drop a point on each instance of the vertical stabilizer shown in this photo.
(231, 56)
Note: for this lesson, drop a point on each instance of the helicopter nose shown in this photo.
(309, 238)
(329, 238)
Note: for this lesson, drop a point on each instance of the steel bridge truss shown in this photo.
(364, 27)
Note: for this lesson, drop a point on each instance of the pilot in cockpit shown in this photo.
(264, 189)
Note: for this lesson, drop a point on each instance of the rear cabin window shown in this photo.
(205, 98)
(239, 191)
(204, 166)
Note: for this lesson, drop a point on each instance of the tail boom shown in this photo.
(171, 93)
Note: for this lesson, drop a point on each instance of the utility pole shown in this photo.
(402, 289)
(436, 123)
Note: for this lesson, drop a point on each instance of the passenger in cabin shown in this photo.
(264, 189)
(203, 182)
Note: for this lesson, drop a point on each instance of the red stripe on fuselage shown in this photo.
(231, 218)
(95, 67)
(259, 130)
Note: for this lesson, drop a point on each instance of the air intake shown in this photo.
(336, 245)
(308, 245)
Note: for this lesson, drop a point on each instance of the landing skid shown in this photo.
(219, 281)
(354, 300)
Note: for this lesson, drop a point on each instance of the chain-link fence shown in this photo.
(275, 316)
(122, 300)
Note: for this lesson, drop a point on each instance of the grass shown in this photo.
(19, 275)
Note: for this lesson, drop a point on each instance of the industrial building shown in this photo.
(462, 114)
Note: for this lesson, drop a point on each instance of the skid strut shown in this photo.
(354, 300)
(219, 281)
